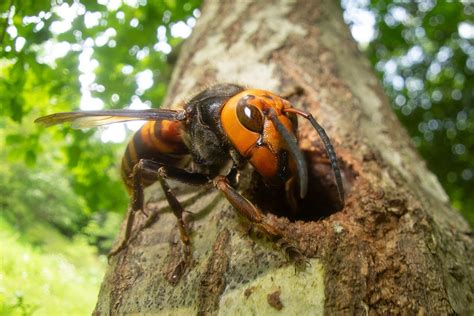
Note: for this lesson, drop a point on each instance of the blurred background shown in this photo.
(61, 198)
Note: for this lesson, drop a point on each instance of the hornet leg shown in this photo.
(256, 217)
(158, 172)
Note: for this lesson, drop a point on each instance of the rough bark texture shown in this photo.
(396, 247)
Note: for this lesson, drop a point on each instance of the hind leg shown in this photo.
(158, 172)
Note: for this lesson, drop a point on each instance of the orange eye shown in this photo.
(250, 116)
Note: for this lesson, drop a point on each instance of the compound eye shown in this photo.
(250, 117)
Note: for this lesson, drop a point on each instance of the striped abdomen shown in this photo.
(160, 141)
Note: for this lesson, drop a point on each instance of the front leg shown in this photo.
(256, 217)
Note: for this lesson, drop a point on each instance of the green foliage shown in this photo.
(53, 57)
(56, 56)
(61, 278)
(427, 66)
(100, 229)
(27, 195)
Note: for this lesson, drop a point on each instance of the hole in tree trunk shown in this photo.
(322, 199)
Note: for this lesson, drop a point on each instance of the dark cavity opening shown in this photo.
(322, 199)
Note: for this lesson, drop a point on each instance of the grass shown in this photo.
(45, 273)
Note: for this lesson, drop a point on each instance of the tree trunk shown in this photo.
(396, 247)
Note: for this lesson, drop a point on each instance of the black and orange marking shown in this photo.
(159, 141)
(223, 124)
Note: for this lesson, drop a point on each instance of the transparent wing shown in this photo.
(86, 119)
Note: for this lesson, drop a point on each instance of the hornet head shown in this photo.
(262, 127)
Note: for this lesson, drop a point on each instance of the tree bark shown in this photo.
(396, 247)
